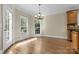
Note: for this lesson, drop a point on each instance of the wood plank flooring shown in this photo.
(41, 45)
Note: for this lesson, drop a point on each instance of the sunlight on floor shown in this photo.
(26, 42)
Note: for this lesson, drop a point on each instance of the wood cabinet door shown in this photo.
(75, 40)
(72, 17)
(69, 35)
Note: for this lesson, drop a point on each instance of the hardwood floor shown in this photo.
(41, 45)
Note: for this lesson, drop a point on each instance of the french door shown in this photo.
(38, 27)
(7, 27)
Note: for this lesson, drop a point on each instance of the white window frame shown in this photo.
(24, 26)
(41, 28)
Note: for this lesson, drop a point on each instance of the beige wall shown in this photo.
(56, 25)
(53, 25)
(0, 28)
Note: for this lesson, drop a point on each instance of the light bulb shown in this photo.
(35, 15)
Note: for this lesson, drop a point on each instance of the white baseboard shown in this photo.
(50, 36)
(55, 36)
(21, 38)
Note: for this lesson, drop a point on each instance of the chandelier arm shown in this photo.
(39, 8)
(39, 15)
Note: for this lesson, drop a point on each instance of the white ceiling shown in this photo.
(46, 9)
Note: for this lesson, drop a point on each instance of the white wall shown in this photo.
(56, 25)
(17, 28)
(6, 43)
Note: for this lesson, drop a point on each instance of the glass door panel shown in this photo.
(7, 27)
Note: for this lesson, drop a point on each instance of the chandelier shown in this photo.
(39, 16)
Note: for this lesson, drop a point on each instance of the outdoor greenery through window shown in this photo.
(7, 21)
(23, 24)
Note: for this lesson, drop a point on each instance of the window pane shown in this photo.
(23, 24)
(7, 21)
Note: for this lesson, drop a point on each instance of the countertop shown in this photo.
(73, 29)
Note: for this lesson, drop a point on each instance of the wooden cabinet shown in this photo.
(73, 33)
(69, 35)
(75, 40)
(72, 17)
(71, 21)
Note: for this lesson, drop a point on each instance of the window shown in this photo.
(37, 26)
(23, 24)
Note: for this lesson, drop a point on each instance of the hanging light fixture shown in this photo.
(39, 16)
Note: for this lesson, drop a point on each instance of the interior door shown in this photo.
(7, 27)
